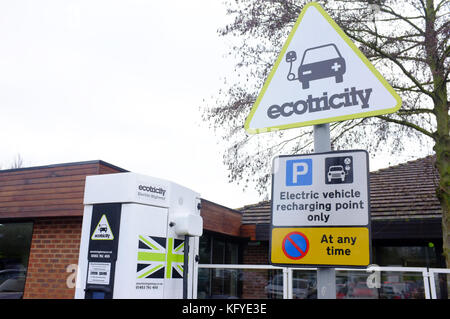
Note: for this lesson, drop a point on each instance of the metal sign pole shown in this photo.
(326, 277)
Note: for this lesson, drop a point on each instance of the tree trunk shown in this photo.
(441, 135)
(442, 149)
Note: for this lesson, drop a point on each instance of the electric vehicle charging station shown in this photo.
(133, 240)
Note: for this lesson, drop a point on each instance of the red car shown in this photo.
(362, 291)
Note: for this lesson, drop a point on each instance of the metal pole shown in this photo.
(326, 277)
(322, 142)
(185, 267)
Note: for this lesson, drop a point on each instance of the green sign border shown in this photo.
(329, 119)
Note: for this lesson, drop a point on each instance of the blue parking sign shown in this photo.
(299, 172)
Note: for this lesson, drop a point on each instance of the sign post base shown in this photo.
(326, 283)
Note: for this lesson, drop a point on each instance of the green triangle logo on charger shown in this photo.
(319, 77)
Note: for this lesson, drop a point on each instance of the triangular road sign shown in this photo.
(103, 230)
(319, 77)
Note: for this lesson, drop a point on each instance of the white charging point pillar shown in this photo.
(133, 238)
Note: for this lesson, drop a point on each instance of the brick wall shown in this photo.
(254, 281)
(54, 246)
(256, 253)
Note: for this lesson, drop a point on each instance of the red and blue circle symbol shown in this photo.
(295, 245)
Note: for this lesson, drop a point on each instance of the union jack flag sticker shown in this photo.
(159, 257)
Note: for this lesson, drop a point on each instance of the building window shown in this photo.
(15, 241)
(407, 256)
(218, 283)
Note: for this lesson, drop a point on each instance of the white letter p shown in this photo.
(297, 172)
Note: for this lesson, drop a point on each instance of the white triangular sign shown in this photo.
(319, 77)
(103, 230)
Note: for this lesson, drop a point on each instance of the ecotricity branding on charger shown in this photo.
(152, 191)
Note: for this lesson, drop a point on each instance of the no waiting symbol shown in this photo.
(295, 245)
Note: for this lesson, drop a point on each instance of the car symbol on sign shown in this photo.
(317, 63)
(336, 172)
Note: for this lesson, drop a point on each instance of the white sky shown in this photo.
(120, 81)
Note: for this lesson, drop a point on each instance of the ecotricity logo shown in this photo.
(155, 192)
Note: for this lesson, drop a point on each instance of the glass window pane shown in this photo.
(231, 253)
(240, 283)
(407, 256)
(205, 249)
(213, 250)
(261, 284)
(218, 252)
(304, 284)
(204, 283)
(442, 282)
(354, 285)
(15, 241)
(379, 285)
(217, 283)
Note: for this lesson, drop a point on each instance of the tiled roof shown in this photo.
(403, 191)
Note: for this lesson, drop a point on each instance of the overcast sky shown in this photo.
(120, 81)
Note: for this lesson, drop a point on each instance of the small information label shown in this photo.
(99, 273)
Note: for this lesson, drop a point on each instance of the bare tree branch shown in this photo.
(408, 124)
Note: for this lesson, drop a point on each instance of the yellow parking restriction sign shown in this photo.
(321, 246)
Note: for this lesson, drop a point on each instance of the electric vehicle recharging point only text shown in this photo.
(134, 236)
